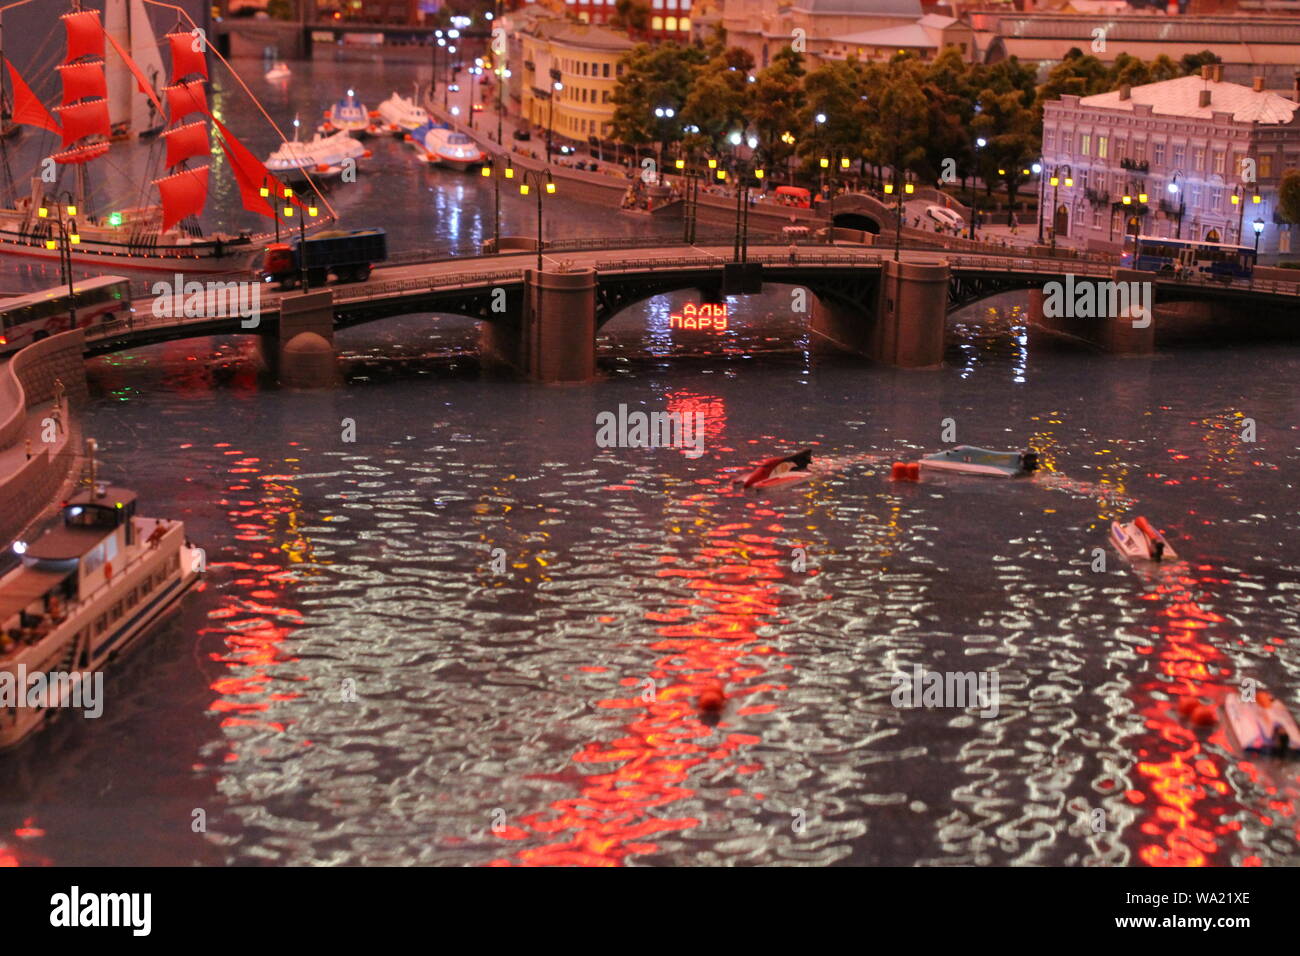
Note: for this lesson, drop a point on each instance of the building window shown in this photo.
(1198, 158)
(1101, 147)
(1085, 144)
(1158, 153)
(671, 24)
(1218, 162)
(1139, 150)
(684, 23)
(604, 70)
(1216, 198)
(1067, 143)
(1266, 166)
(1049, 141)
(657, 23)
(1194, 195)
(1180, 156)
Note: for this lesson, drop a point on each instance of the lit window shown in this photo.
(658, 4)
(658, 22)
(671, 24)
(684, 23)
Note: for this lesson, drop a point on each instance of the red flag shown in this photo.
(186, 59)
(82, 81)
(85, 34)
(186, 142)
(29, 110)
(183, 194)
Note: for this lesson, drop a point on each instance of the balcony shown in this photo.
(1136, 165)
(1170, 207)
(1096, 197)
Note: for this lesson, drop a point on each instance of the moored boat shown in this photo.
(401, 115)
(86, 590)
(322, 156)
(350, 115)
(445, 147)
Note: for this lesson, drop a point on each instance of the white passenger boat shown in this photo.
(322, 157)
(85, 591)
(350, 115)
(279, 70)
(401, 115)
(445, 147)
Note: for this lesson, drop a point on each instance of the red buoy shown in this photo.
(913, 471)
(711, 699)
(898, 472)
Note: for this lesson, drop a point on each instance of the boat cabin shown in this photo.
(70, 561)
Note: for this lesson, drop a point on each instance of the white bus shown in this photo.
(32, 317)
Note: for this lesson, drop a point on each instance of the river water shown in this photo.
(442, 626)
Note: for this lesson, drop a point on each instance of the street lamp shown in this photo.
(826, 163)
(507, 172)
(1056, 186)
(661, 113)
(692, 198)
(1239, 200)
(1176, 190)
(265, 193)
(69, 237)
(302, 235)
(894, 189)
(531, 181)
(1258, 224)
(556, 87)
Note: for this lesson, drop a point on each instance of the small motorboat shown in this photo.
(279, 71)
(1261, 726)
(322, 157)
(778, 471)
(1139, 541)
(446, 147)
(967, 459)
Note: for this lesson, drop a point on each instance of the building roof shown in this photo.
(910, 9)
(1181, 97)
(912, 35)
(590, 37)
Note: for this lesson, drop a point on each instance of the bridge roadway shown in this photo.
(464, 284)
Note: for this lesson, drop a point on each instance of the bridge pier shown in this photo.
(555, 339)
(1118, 335)
(906, 327)
(307, 358)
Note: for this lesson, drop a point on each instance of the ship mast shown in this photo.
(8, 195)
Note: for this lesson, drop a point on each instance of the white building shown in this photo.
(1209, 139)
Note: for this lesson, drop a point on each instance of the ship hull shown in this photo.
(91, 637)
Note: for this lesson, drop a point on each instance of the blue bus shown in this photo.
(1188, 256)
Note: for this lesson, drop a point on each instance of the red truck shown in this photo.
(349, 255)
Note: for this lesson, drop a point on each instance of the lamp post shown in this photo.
(691, 198)
(739, 167)
(1239, 200)
(789, 139)
(1258, 224)
(820, 120)
(302, 236)
(1056, 186)
(897, 189)
(69, 237)
(1042, 186)
(490, 169)
(826, 162)
(530, 181)
(1176, 190)
(556, 87)
(474, 72)
(265, 193)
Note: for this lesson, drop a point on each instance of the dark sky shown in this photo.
(28, 29)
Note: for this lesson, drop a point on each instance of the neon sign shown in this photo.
(708, 316)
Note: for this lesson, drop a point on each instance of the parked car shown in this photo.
(945, 217)
(521, 133)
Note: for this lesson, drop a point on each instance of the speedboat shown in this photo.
(1262, 725)
(970, 460)
(279, 71)
(451, 149)
(778, 471)
(401, 115)
(1139, 541)
(85, 591)
(348, 114)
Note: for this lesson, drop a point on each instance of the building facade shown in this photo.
(1209, 140)
(583, 59)
(765, 28)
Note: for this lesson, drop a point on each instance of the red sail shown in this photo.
(183, 194)
(85, 35)
(83, 119)
(82, 81)
(186, 142)
(82, 154)
(251, 175)
(141, 80)
(28, 110)
(185, 59)
(184, 99)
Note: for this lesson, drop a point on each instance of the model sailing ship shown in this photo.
(109, 79)
(86, 590)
